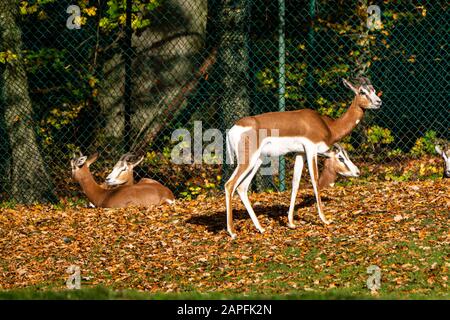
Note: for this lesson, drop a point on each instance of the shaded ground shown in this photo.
(402, 227)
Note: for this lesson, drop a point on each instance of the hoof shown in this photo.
(291, 225)
(232, 235)
(261, 230)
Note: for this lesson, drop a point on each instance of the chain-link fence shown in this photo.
(120, 75)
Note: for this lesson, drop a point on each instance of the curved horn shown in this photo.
(127, 157)
(338, 146)
(362, 81)
(138, 161)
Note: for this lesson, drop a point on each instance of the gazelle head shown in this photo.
(340, 162)
(366, 96)
(80, 164)
(443, 148)
(122, 172)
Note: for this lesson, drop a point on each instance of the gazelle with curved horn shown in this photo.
(443, 148)
(122, 175)
(122, 172)
(119, 197)
(304, 132)
(338, 162)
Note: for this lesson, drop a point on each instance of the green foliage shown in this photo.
(356, 51)
(424, 145)
(377, 137)
(8, 57)
(395, 153)
(205, 187)
(62, 83)
(115, 14)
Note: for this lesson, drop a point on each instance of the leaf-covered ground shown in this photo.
(402, 227)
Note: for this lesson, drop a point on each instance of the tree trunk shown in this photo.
(233, 64)
(165, 57)
(29, 180)
(233, 61)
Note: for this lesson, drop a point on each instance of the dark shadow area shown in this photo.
(216, 222)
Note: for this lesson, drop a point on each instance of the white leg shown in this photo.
(239, 174)
(311, 156)
(228, 198)
(243, 194)
(230, 229)
(298, 168)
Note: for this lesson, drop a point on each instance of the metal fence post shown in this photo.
(281, 79)
(127, 58)
(310, 46)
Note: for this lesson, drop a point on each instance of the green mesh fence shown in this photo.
(118, 76)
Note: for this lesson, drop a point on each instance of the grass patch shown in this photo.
(102, 293)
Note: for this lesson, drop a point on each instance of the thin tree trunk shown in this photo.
(233, 64)
(29, 180)
(234, 61)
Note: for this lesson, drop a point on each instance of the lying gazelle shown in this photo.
(304, 132)
(119, 197)
(122, 175)
(443, 148)
(337, 162)
(122, 172)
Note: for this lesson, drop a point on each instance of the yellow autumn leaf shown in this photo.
(92, 81)
(92, 11)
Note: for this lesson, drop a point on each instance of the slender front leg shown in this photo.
(314, 173)
(298, 168)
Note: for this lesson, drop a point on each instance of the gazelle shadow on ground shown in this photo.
(216, 221)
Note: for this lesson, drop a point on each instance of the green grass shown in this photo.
(102, 293)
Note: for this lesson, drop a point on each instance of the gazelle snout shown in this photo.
(351, 173)
(375, 101)
(344, 166)
(354, 173)
(111, 180)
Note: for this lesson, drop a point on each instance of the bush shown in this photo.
(424, 145)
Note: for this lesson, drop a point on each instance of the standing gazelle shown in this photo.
(304, 132)
(443, 148)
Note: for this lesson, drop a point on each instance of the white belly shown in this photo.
(278, 146)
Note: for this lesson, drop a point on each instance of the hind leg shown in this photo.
(243, 194)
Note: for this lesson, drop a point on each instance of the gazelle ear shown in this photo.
(350, 86)
(438, 149)
(80, 161)
(139, 161)
(92, 159)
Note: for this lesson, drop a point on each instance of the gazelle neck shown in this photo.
(328, 175)
(93, 191)
(342, 126)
